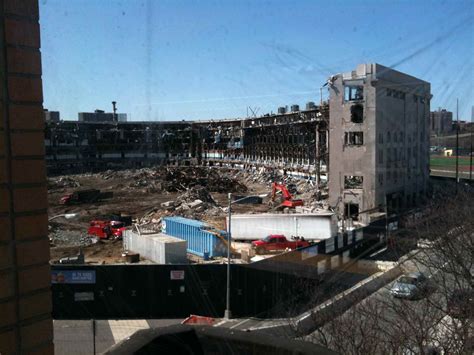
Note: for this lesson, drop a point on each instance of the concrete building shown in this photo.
(101, 116)
(51, 116)
(378, 140)
(370, 141)
(441, 122)
(26, 326)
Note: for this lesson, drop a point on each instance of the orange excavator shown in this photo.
(288, 200)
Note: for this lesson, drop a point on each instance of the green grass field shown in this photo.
(449, 163)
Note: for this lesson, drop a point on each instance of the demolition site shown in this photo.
(300, 197)
(300, 177)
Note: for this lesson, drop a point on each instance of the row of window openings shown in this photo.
(397, 154)
(400, 137)
(397, 175)
(401, 95)
(357, 181)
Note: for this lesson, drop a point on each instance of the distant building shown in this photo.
(51, 116)
(101, 116)
(441, 122)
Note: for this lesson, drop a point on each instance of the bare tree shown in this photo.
(383, 324)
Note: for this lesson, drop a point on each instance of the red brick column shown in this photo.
(25, 298)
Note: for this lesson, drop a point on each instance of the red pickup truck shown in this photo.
(106, 229)
(277, 242)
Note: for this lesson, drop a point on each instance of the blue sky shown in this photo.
(174, 60)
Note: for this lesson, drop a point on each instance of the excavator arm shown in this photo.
(288, 200)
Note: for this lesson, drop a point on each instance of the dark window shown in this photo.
(353, 182)
(380, 179)
(388, 137)
(354, 138)
(353, 93)
(357, 113)
(380, 156)
(389, 92)
(352, 210)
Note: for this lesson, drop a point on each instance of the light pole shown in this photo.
(227, 312)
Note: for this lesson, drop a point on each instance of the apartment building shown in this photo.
(441, 122)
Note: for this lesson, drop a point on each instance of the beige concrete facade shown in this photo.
(378, 140)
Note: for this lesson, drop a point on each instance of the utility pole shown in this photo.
(457, 145)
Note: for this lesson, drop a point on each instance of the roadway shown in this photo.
(422, 318)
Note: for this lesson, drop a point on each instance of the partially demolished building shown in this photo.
(370, 142)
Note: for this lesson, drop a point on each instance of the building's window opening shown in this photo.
(351, 210)
(357, 113)
(380, 179)
(389, 92)
(380, 156)
(388, 137)
(353, 182)
(354, 138)
(354, 93)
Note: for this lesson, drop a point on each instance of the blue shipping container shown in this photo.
(200, 236)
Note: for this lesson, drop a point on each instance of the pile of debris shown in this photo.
(62, 182)
(193, 203)
(181, 179)
(60, 237)
(177, 179)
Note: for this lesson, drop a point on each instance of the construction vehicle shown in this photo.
(288, 200)
(106, 229)
(277, 242)
(83, 196)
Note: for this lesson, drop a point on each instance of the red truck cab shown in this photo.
(106, 229)
(277, 242)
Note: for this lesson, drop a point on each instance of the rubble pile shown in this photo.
(194, 202)
(62, 182)
(177, 179)
(214, 180)
(69, 238)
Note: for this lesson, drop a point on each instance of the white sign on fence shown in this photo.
(177, 274)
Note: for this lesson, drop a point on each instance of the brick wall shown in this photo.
(25, 300)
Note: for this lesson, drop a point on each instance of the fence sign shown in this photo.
(177, 274)
(73, 277)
